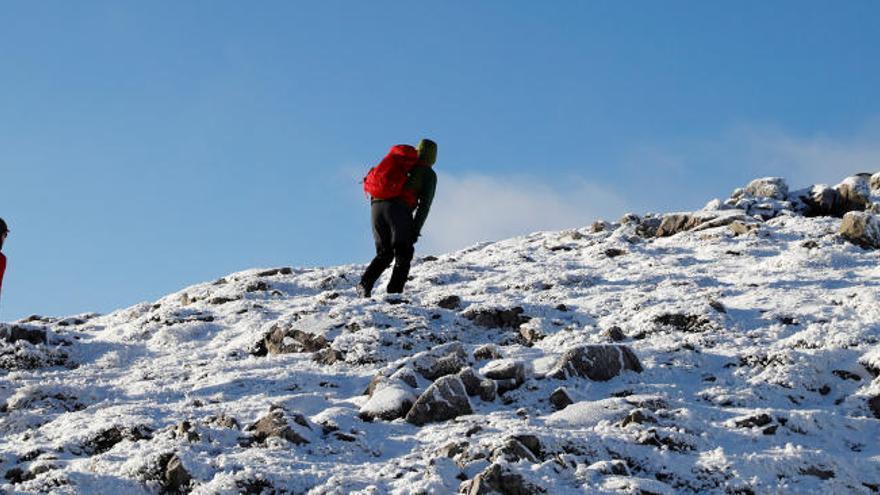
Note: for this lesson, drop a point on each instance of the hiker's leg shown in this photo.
(384, 245)
(402, 231)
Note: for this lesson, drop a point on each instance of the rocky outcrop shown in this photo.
(501, 479)
(276, 424)
(445, 399)
(444, 360)
(284, 339)
(388, 403)
(497, 318)
(507, 373)
(861, 228)
(598, 362)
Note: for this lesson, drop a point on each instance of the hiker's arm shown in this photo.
(426, 197)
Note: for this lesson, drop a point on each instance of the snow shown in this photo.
(796, 316)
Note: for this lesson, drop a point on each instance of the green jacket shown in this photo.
(420, 186)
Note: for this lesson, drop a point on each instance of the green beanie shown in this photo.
(427, 151)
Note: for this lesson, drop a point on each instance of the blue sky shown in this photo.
(145, 146)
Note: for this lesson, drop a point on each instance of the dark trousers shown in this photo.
(393, 231)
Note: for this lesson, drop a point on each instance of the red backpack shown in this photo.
(386, 180)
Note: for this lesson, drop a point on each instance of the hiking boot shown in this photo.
(363, 291)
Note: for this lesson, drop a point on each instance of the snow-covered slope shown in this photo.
(757, 340)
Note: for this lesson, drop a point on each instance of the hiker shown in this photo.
(401, 189)
(4, 231)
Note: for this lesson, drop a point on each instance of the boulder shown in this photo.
(444, 360)
(861, 228)
(874, 183)
(27, 333)
(497, 318)
(560, 399)
(615, 334)
(284, 339)
(445, 399)
(388, 403)
(598, 362)
(449, 302)
(503, 480)
(487, 351)
(742, 228)
(874, 406)
(683, 322)
(676, 222)
(276, 424)
(513, 451)
(855, 192)
(508, 374)
(767, 187)
(176, 479)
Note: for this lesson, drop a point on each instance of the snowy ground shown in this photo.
(757, 353)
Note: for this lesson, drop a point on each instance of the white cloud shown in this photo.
(475, 208)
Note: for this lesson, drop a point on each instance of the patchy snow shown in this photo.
(760, 353)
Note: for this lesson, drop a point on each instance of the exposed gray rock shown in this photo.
(445, 399)
(106, 439)
(487, 351)
(855, 192)
(497, 318)
(286, 270)
(599, 362)
(503, 480)
(276, 424)
(767, 187)
(615, 334)
(861, 228)
(530, 335)
(739, 227)
(450, 302)
(507, 373)
(560, 399)
(513, 451)
(613, 467)
(683, 322)
(388, 403)
(284, 339)
(27, 333)
(874, 183)
(874, 406)
(176, 479)
(328, 356)
(676, 222)
(444, 360)
(470, 380)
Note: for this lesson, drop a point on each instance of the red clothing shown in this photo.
(2, 268)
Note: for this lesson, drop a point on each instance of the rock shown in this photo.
(513, 451)
(388, 403)
(861, 228)
(743, 228)
(275, 424)
(599, 226)
(450, 302)
(498, 479)
(108, 438)
(598, 362)
(758, 420)
(452, 449)
(185, 430)
(14, 333)
(637, 416)
(223, 421)
(328, 356)
(497, 318)
(874, 405)
(284, 339)
(501, 369)
(176, 478)
(530, 335)
(874, 182)
(674, 223)
(470, 380)
(531, 442)
(615, 334)
(767, 187)
(855, 192)
(445, 399)
(613, 467)
(276, 271)
(717, 306)
(614, 252)
(560, 399)
(488, 390)
(406, 375)
(683, 322)
(444, 360)
(488, 351)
